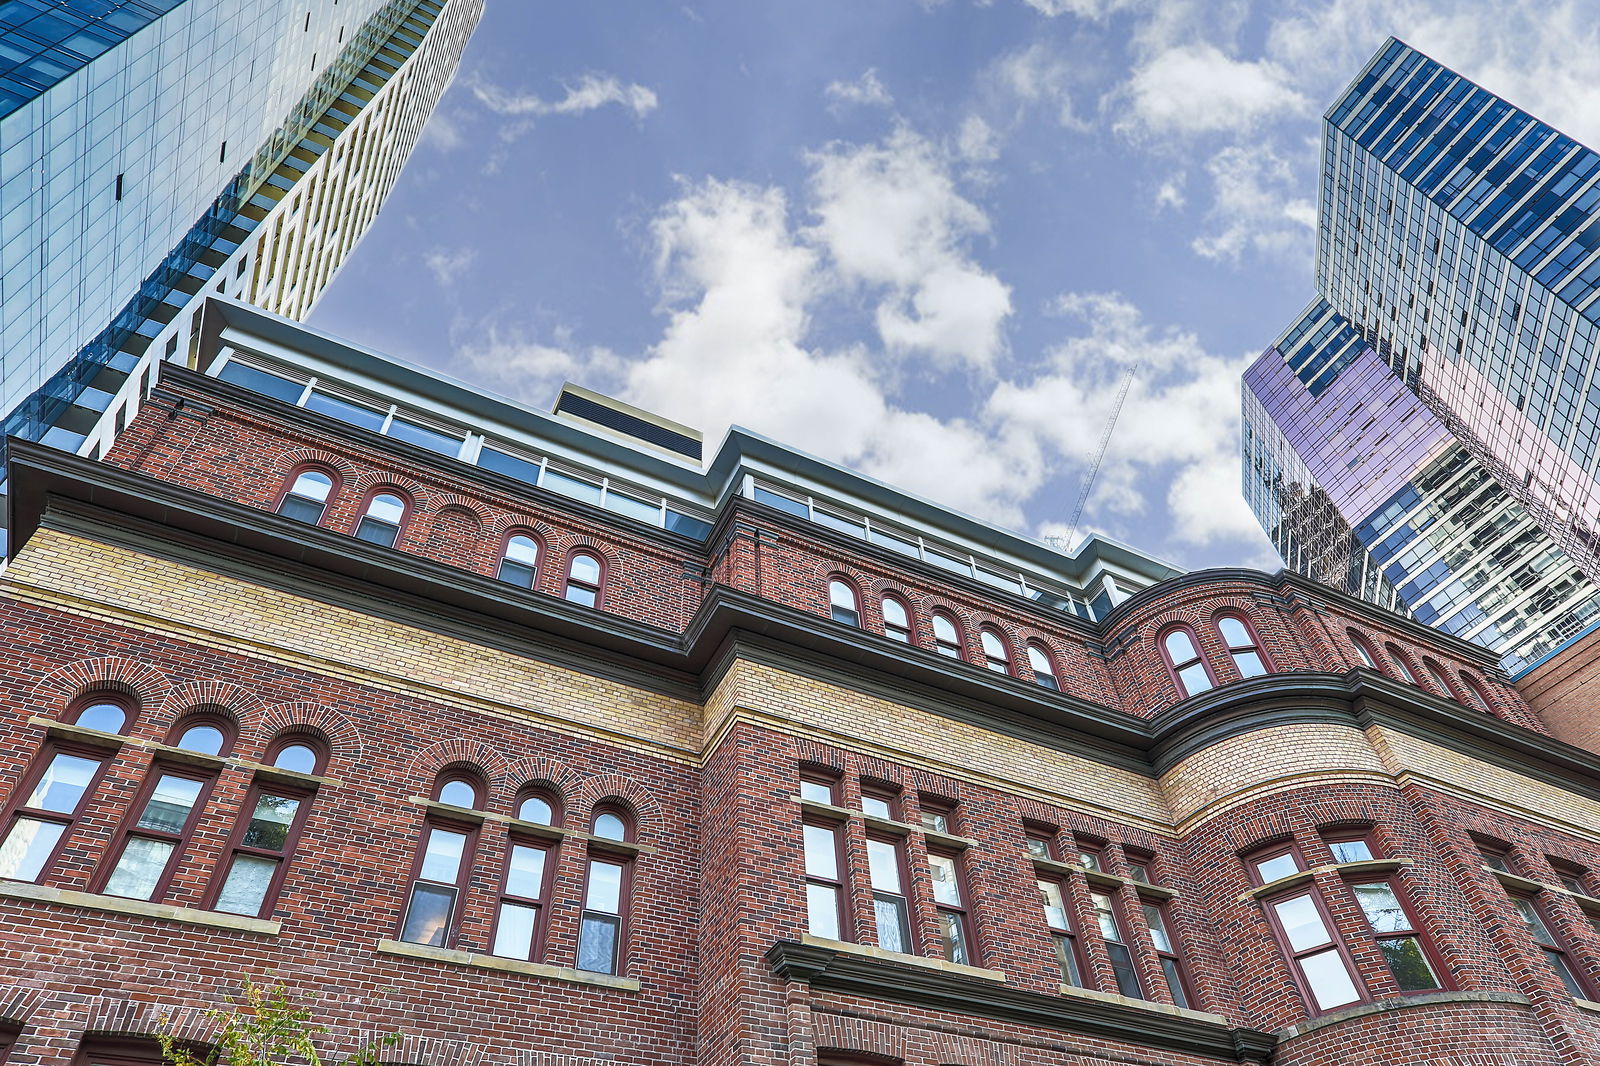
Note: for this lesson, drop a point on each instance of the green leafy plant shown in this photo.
(261, 1027)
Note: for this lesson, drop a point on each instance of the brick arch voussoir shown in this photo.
(237, 703)
(428, 763)
(124, 1017)
(415, 1050)
(540, 771)
(502, 522)
(957, 1049)
(591, 790)
(18, 1005)
(129, 677)
(298, 457)
(326, 724)
(372, 479)
(818, 754)
(444, 504)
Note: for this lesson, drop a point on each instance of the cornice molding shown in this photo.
(932, 989)
(117, 506)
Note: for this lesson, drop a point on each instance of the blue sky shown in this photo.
(923, 239)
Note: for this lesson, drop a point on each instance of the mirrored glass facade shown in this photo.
(153, 173)
(1458, 254)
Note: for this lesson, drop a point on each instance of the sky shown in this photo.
(925, 239)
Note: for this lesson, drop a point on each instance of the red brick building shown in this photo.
(538, 740)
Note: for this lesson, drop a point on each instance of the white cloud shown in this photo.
(890, 215)
(1179, 422)
(1255, 207)
(448, 265)
(1195, 88)
(865, 91)
(976, 141)
(1041, 76)
(516, 365)
(1170, 197)
(593, 91)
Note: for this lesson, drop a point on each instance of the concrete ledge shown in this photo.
(237, 923)
(1586, 1004)
(1409, 1002)
(844, 947)
(1144, 1004)
(495, 962)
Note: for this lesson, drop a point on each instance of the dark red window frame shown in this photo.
(1064, 938)
(1558, 953)
(540, 905)
(15, 811)
(598, 853)
(473, 780)
(821, 775)
(1123, 967)
(908, 926)
(549, 795)
(202, 716)
(1367, 651)
(597, 589)
(1402, 661)
(1174, 668)
(123, 702)
(840, 885)
(130, 828)
(950, 650)
(407, 508)
(282, 856)
(906, 634)
(1292, 956)
(1170, 958)
(885, 792)
(318, 749)
(469, 846)
(958, 913)
(504, 560)
(1478, 694)
(1430, 951)
(1051, 679)
(846, 616)
(287, 489)
(1000, 664)
(1236, 650)
(1266, 852)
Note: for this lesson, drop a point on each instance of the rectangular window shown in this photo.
(1350, 848)
(880, 802)
(1271, 867)
(824, 881)
(600, 934)
(1116, 948)
(1308, 940)
(441, 868)
(1402, 945)
(260, 850)
(149, 847)
(1041, 844)
(819, 787)
(937, 816)
(51, 803)
(1155, 916)
(1053, 896)
(1554, 951)
(949, 902)
(518, 924)
(893, 917)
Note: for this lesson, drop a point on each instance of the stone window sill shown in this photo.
(94, 738)
(1144, 1004)
(138, 908)
(868, 951)
(495, 962)
(1344, 869)
(1586, 1004)
(538, 829)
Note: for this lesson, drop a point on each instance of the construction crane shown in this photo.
(1066, 543)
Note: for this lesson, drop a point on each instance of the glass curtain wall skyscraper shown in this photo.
(154, 151)
(1426, 432)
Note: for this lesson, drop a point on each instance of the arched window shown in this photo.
(1407, 674)
(459, 789)
(539, 805)
(842, 602)
(1244, 647)
(1044, 667)
(946, 636)
(519, 563)
(307, 496)
(896, 620)
(381, 522)
(583, 579)
(1441, 679)
(1475, 693)
(996, 656)
(296, 753)
(101, 712)
(1369, 656)
(1189, 671)
(605, 894)
(206, 734)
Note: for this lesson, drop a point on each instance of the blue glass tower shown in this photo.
(149, 153)
(1458, 254)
